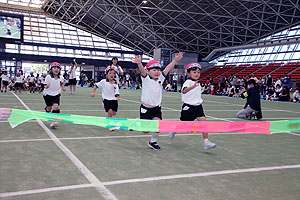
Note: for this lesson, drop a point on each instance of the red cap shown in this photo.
(191, 65)
(153, 64)
(54, 64)
(108, 68)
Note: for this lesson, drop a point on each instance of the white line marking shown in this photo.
(116, 137)
(37, 191)
(106, 194)
(203, 174)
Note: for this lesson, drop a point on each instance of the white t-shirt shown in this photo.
(42, 79)
(19, 79)
(72, 73)
(192, 97)
(55, 85)
(109, 91)
(31, 79)
(152, 90)
(5, 77)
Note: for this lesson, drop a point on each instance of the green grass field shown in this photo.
(89, 162)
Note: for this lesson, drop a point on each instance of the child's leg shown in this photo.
(205, 135)
(207, 144)
(155, 135)
(55, 108)
(111, 113)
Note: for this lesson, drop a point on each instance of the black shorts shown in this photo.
(18, 85)
(150, 113)
(190, 113)
(5, 83)
(110, 104)
(72, 81)
(31, 84)
(50, 100)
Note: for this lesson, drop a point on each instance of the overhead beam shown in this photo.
(255, 45)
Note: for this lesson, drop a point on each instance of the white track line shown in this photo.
(115, 137)
(106, 194)
(203, 174)
(38, 191)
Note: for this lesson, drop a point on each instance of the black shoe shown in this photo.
(252, 115)
(154, 145)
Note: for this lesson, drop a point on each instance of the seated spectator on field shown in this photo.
(219, 89)
(270, 93)
(285, 94)
(296, 95)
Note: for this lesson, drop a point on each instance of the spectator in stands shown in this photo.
(285, 81)
(252, 108)
(278, 82)
(206, 89)
(278, 90)
(298, 84)
(234, 81)
(289, 82)
(133, 78)
(263, 86)
(174, 82)
(211, 80)
(227, 90)
(253, 77)
(269, 81)
(285, 94)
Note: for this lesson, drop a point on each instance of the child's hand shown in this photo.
(64, 89)
(47, 86)
(4, 113)
(118, 98)
(179, 56)
(196, 83)
(92, 94)
(137, 59)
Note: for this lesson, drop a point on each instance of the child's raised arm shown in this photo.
(177, 58)
(138, 61)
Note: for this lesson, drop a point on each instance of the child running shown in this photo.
(152, 80)
(110, 92)
(52, 92)
(5, 80)
(192, 102)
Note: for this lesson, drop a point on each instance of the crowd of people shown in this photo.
(272, 89)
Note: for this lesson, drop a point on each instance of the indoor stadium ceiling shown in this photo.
(196, 26)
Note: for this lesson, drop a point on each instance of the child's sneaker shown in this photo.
(154, 145)
(171, 135)
(209, 145)
(252, 115)
(53, 125)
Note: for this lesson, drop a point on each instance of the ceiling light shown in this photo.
(145, 1)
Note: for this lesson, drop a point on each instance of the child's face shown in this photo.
(111, 74)
(194, 74)
(114, 61)
(154, 72)
(55, 70)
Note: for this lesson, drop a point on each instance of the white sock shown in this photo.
(206, 140)
(154, 137)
